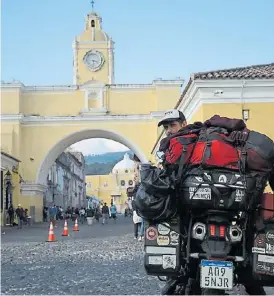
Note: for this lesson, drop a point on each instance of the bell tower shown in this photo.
(93, 53)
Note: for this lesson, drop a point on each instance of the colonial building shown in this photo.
(113, 187)
(10, 184)
(244, 92)
(39, 122)
(66, 181)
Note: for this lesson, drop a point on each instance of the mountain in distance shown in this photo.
(102, 164)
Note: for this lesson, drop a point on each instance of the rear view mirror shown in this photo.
(160, 155)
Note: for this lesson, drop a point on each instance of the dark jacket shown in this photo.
(20, 213)
(105, 210)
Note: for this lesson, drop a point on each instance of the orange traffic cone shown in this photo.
(65, 232)
(76, 228)
(51, 237)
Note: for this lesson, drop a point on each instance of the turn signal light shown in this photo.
(212, 230)
(222, 231)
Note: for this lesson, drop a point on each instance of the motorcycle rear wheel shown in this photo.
(213, 292)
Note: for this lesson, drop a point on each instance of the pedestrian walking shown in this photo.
(52, 215)
(137, 220)
(20, 216)
(82, 213)
(11, 215)
(105, 213)
(113, 212)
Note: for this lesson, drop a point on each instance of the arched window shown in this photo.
(93, 24)
(130, 182)
(123, 183)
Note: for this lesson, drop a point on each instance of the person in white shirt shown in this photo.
(82, 213)
(137, 220)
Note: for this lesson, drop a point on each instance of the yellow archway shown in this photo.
(75, 137)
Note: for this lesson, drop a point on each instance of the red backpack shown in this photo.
(210, 147)
(214, 147)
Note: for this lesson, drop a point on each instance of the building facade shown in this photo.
(66, 181)
(246, 92)
(113, 187)
(39, 122)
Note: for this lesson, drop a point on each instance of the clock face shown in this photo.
(94, 60)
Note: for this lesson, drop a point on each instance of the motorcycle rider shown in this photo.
(172, 122)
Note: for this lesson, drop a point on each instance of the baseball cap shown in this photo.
(172, 115)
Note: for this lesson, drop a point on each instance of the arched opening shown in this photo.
(59, 147)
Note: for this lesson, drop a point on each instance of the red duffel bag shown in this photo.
(211, 147)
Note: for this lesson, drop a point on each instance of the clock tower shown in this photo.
(93, 54)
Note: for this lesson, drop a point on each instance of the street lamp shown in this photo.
(8, 178)
(8, 184)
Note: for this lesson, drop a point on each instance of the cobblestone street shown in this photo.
(111, 263)
(96, 260)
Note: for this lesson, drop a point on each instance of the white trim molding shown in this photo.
(165, 82)
(31, 189)
(226, 92)
(201, 92)
(8, 162)
(86, 117)
(7, 118)
(51, 88)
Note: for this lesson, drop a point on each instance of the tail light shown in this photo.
(212, 230)
(235, 233)
(222, 231)
(199, 231)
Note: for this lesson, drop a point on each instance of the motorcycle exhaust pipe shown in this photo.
(199, 231)
(235, 234)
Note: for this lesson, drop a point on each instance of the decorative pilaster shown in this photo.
(75, 62)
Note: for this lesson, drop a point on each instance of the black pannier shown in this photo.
(220, 189)
(155, 198)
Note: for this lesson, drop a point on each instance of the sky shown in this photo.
(153, 39)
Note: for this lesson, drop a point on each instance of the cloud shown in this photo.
(98, 146)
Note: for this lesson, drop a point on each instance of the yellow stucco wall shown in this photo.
(38, 140)
(11, 138)
(135, 101)
(167, 97)
(49, 103)
(103, 186)
(10, 101)
(261, 115)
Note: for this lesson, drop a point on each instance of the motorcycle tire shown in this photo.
(213, 292)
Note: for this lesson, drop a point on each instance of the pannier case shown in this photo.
(217, 189)
(263, 246)
(162, 248)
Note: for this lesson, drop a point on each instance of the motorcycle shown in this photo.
(206, 251)
(213, 253)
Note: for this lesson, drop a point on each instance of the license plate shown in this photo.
(201, 193)
(217, 275)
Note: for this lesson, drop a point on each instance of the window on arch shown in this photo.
(92, 23)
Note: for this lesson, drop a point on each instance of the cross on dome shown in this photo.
(92, 5)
